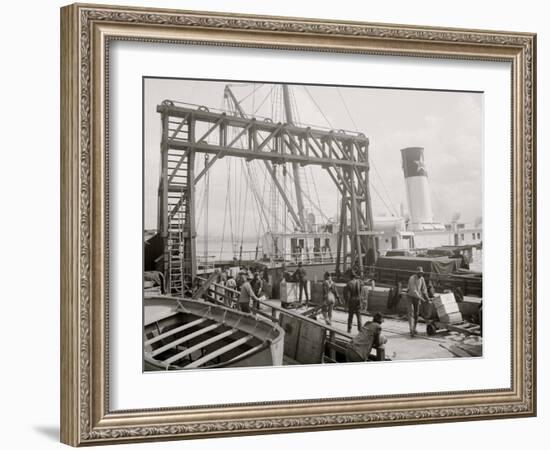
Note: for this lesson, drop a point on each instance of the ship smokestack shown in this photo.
(418, 191)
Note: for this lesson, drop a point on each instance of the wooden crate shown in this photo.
(447, 308)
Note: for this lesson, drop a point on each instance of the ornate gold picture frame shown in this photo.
(87, 31)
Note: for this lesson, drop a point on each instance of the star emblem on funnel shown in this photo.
(420, 166)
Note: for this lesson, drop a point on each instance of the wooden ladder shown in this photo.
(178, 254)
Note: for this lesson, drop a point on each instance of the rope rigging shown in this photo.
(391, 209)
(247, 171)
(230, 212)
(207, 198)
(304, 171)
(225, 213)
(318, 107)
(243, 180)
(246, 195)
(311, 201)
(251, 94)
(258, 220)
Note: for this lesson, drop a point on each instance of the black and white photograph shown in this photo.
(294, 224)
(275, 225)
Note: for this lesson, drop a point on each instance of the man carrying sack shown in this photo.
(416, 292)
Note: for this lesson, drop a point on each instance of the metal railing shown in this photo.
(288, 258)
(229, 297)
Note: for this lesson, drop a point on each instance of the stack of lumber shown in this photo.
(447, 308)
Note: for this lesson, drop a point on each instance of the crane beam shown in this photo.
(259, 138)
(344, 155)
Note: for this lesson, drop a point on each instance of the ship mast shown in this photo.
(295, 166)
(296, 217)
(351, 178)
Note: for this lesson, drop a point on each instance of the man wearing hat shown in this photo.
(246, 294)
(242, 276)
(300, 276)
(257, 285)
(231, 284)
(416, 292)
(368, 338)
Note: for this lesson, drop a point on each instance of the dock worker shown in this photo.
(300, 276)
(352, 296)
(416, 292)
(222, 277)
(231, 284)
(370, 336)
(330, 294)
(241, 278)
(257, 286)
(245, 296)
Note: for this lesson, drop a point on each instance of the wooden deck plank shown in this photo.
(199, 362)
(200, 345)
(175, 330)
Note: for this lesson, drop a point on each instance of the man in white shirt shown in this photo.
(230, 295)
(416, 292)
(245, 296)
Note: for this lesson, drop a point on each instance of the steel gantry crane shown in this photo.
(343, 155)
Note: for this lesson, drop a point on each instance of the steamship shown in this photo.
(393, 235)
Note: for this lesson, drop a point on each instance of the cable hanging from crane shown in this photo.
(258, 217)
(241, 199)
(225, 212)
(207, 201)
(239, 190)
(244, 211)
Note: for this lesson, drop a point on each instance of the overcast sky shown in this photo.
(447, 124)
